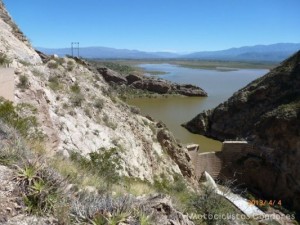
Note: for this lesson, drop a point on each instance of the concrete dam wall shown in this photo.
(215, 162)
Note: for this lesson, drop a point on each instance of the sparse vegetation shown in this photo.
(121, 68)
(26, 125)
(211, 206)
(105, 163)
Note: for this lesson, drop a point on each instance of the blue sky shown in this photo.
(157, 25)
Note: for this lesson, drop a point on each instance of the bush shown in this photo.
(77, 99)
(99, 103)
(70, 65)
(4, 60)
(102, 210)
(105, 163)
(11, 146)
(54, 83)
(59, 61)
(135, 110)
(52, 65)
(109, 123)
(75, 88)
(162, 184)
(24, 83)
(27, 126)
(37, 73)
(24, 62)
(211, 205)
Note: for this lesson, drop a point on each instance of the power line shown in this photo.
(74, 47)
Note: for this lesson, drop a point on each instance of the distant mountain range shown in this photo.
(109, 53)
(274, 52)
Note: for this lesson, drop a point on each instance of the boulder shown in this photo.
(153, 85)
(176, 152)
(45, 58)
(111, 76)
(190, 90)
(132, 78)
(164, 87)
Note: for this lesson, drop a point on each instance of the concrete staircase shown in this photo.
(213, 163)
(208, 162)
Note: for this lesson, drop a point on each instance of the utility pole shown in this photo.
(74, 46)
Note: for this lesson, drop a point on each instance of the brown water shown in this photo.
(174, 111)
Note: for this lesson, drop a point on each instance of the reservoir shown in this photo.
(173, 111)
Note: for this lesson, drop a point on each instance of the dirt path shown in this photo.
(7, 83)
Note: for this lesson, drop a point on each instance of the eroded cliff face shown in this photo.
(267, 113)
(78, 112)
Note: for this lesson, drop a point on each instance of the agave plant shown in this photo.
(27, 175)
(39, 185)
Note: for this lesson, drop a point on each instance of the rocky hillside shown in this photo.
(78, 112)
(80, 121)
(269, 103)
(267, 113)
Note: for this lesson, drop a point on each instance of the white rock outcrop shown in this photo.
(86, 119)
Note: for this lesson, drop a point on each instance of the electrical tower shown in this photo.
(74, 47)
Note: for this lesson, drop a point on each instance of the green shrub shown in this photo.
(105, 163)
(4, 60)
(37, 73)
(87, 112)
(109, 123)
(25, 63)
(52, 65)
(75, 88)
(12, 147)
(99, 103)
(70, 65)
(135, 110)
(162, 184)
(210, 206)
(54, 83)
(24, 82)
(77, 99)
(59, 61)
(25, 125)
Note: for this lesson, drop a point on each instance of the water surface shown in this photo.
(174, 111)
